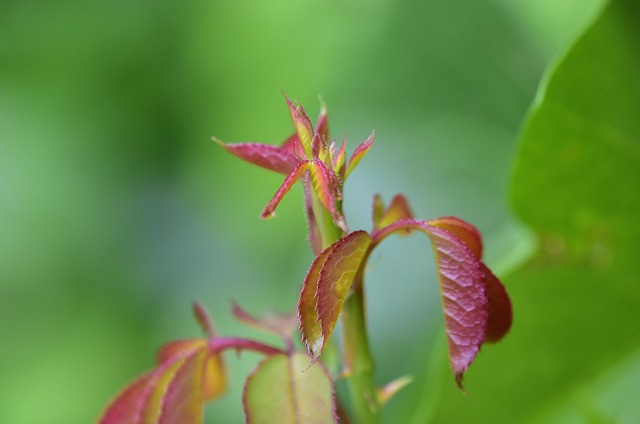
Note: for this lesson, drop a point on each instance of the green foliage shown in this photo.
(575, 334)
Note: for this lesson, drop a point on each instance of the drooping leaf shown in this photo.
(282, 390)
(264, 155)
(465, 231)
(303, 126)
(281, 324)
(291, 179)
(358, 154)
(338, 272)
(310, 325)
(464, 298)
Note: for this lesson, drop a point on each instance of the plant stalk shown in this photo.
(357, 359)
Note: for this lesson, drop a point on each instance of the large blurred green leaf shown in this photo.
(577, 303)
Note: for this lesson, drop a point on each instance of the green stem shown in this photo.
(357, 359)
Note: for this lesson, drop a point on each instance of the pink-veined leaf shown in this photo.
(338, 272)
(465, 231)
(264, 155)
(462, 286)
(324, 184)
(302, 125)
(283, 390)
(310, 325)
(282, 325)
(291, 179)
(397, 210)
(500, 311)
(358, 154)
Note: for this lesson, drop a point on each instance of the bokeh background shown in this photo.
(117, 210)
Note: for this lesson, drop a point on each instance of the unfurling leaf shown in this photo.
(282, 390)
(397, 210)
(302, 124)
(275, 158)
(390, 389)
(500, 313)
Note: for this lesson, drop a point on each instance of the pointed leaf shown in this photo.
(358, 154)
(500, 311)
(397, 210)
(338, 159)
(393, 387)
(338, 272)
(462, 285)
(203, 318)
(270, 157)
(125, 408)
(302, 124)
(282, 390)
(322, 125)
(465, 231)
(281, 324)
(291, 179)
(310, 325)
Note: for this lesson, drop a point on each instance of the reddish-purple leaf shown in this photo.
(281, 324)
(462, 285)
(397, 210)
(302, 124)
(291, 179)
(310, 326)
(284, 390)
(358, 154)
(338, 272)
(183, 399)
(500, 313)
(270, 157)
(125, 408)
(465, 231)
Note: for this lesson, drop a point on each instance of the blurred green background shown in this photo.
(117, 211)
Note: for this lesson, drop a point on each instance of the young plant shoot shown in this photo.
(294, 387)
